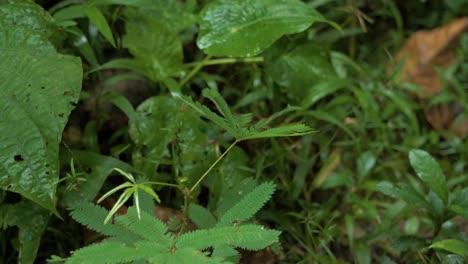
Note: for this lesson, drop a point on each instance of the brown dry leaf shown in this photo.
(424, 50)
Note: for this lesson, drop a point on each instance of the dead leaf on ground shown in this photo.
(425, 50)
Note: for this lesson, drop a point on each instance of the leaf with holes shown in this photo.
(39, 89)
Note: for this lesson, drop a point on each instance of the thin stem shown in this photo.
(212, 166)
(224, 61)
(162, 184)
(187, 197)
(194, 71)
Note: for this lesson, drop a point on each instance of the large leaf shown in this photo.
(31, 220)
(430, 172)
(159, 51)
(38, 90)
(246, 27)
(452, 245)
(177, 15)
(305, 72)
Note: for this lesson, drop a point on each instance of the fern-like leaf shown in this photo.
(220, 104)
(251, 237)
(239, 125)
(207, 113)
(148, 227)
(92, 216)
(248, 205)
(116, 252)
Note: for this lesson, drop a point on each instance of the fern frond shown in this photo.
(207, 113)
(148, 227)
(265, 121)
(238, 125)
(243, 119)
(249, 205)
(92, 216)
(233, 194)
(251, 237)
(115, 252)
(221, 105)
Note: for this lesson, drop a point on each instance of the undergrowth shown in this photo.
(208, 108)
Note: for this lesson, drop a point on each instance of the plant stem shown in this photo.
(162, 184)
(224, 61)
(212, 166)
(198, 66)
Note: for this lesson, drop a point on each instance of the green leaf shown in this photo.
(97, 18)
(39, 89)
(69, 13)
(413, 197)
(31, 220)
(128, 64)
(459, 210)
(409, 243)
(404, 192)
(227, 253)
(251, 237)
(306, 73)
(248, 206)
(92, 216)
(365, 163)
(206, 112)
(289, 130)
(148, 227)
(101, 166)
(245, 28)
(175, 14)
(452, 245)
(238, 125)
(116, 252)
(159, 51)
(201, 216)
(158, 122)
(430, 172)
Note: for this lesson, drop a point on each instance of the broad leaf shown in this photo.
(39, 89)
(452, 245)
(430, 173)
(174, 14)
(246, 27)
(404, 192)
(159, 51)
(302, 71)
(31, 220)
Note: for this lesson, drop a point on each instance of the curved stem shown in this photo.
(212, 166)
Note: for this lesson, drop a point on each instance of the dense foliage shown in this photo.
(155, 130)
